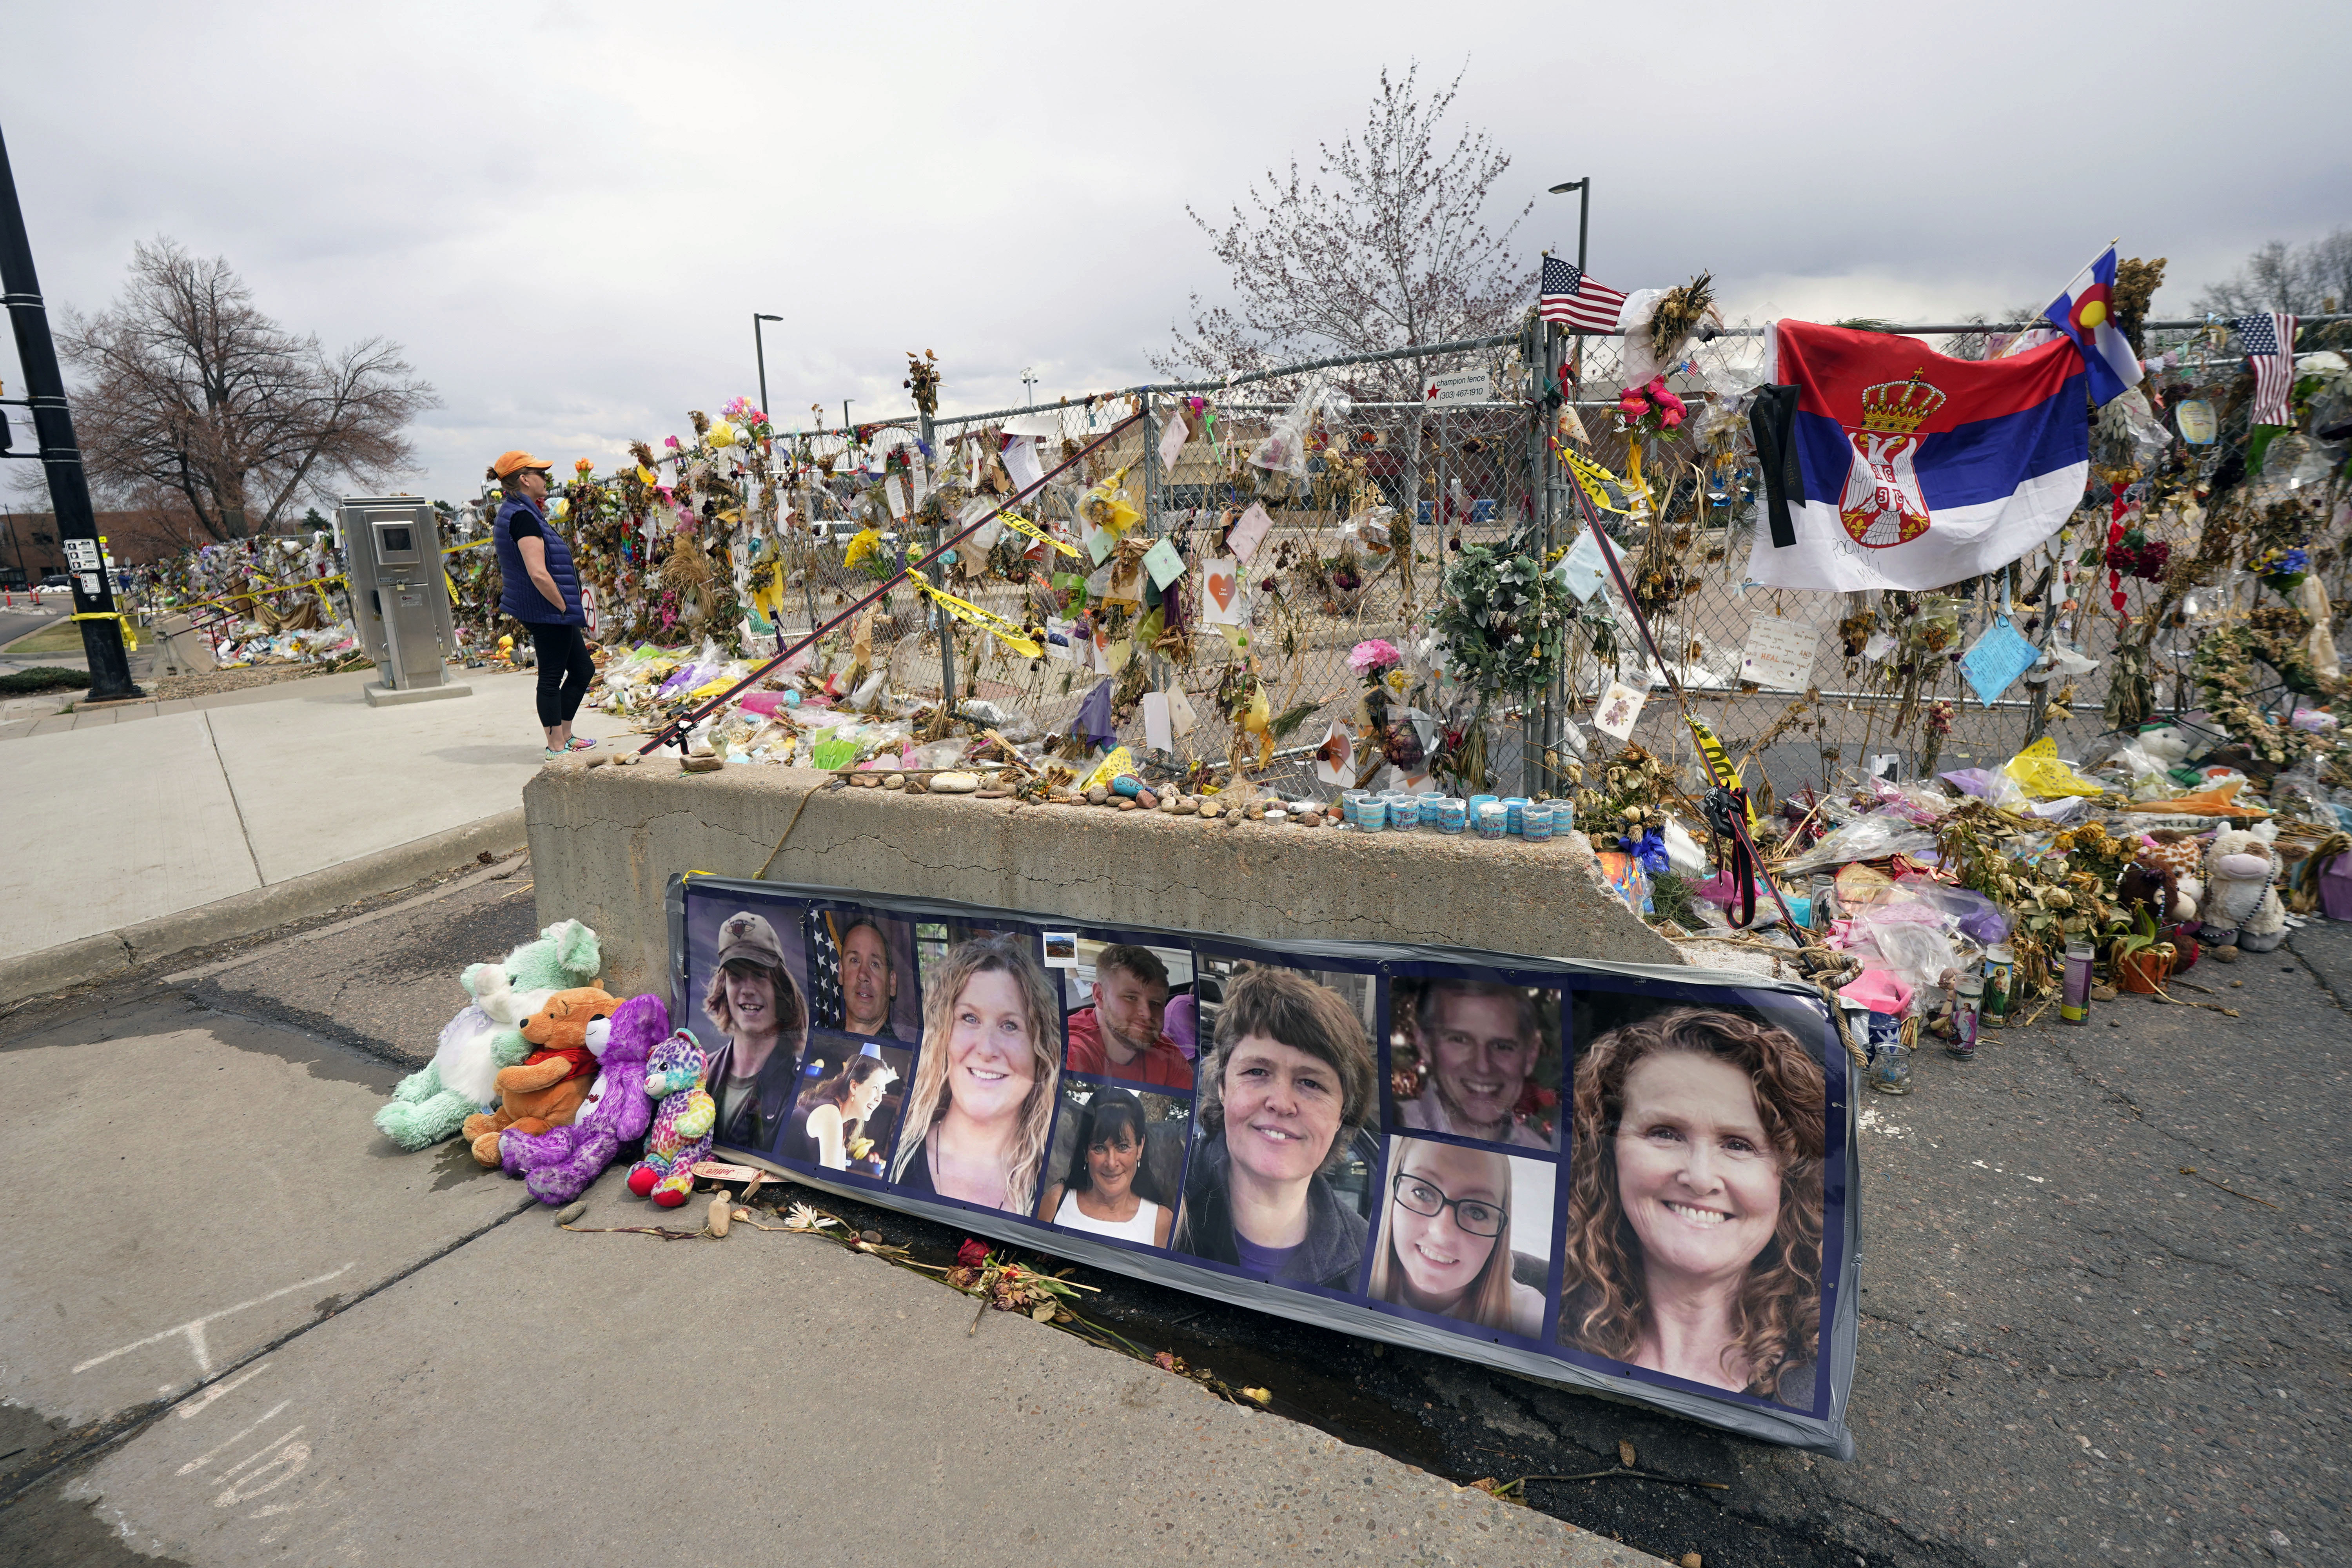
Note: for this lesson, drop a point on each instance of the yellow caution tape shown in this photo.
(1019, 524)
(1595, 480)
(129, 632)
(1010, 632)
(1719, 760)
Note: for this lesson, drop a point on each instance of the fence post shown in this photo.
(945, 621)
(1536, 536)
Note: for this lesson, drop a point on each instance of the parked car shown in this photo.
(56, 579)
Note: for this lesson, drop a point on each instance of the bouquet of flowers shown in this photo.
(2281, 571)
(1644, 413)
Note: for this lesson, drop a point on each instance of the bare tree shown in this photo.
(1388, 247)
(194, 403)
(2304, 280)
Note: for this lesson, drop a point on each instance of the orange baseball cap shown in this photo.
(514, 462)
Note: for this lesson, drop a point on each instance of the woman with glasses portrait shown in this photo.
(1445, 1238)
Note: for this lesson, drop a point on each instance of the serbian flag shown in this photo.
(1888, 465)
(2085, 312)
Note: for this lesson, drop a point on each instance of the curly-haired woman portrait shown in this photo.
(981, 1107)
(1693, 1242)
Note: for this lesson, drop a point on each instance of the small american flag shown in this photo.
(2270, 350)
(1568, 296)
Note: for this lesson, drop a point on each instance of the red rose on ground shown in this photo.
(972, 1254)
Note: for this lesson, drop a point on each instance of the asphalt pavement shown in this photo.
(2104, 1321)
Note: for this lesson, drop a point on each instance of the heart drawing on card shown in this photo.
(1221, 588)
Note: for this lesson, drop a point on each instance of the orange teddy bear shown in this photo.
(547, 1088)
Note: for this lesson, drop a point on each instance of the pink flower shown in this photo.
(1374, 654)
(1673, 416)
(671, 442)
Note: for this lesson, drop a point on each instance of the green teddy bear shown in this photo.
(487, 1034)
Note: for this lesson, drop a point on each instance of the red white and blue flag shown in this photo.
(2269, 340)
(2085, 312)
(1567, 296)
(1891, 466)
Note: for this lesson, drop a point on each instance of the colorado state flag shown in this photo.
(1891, 466)
(2085, 312)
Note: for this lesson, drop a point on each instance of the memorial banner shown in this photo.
(1625, 1178)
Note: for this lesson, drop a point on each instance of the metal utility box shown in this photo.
(400, 599)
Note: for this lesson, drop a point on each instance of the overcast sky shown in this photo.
(567, 212)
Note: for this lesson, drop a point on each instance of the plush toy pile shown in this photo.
(549, 1077)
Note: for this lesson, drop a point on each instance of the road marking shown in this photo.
(206, 1457)
(264, 1452)
(194, 1327)
(197, 1408)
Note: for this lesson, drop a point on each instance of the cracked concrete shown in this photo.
(605, 841)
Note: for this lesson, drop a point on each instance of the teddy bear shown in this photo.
(485, 1034)
(557, 1164)
(2240, 906)
(682, 1123)
(547, 1088)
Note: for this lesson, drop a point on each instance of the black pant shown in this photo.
(565, 671)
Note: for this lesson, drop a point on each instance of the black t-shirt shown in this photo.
(524, 524)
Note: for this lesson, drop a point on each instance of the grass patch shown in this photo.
(61, 636)
(42, 677)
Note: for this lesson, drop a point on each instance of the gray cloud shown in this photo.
(568, 214)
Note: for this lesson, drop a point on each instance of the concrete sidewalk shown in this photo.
(347, 1353)
(149, 810)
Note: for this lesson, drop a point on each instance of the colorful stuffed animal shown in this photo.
(547, 1088)
(557, 1164)
(2240, 905)
(486, 1033)
(682, 1123)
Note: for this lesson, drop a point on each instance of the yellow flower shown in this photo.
(864, 544)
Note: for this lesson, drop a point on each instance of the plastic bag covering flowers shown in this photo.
(1652, 410)
(1374, 655)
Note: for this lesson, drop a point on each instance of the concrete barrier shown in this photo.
(605, 841)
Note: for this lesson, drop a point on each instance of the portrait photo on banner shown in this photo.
(979, 1103)
(1474, 1058)
(851, 1098)
(1117, 1161)
(1279, 1182)
(861, 975)
(1464, 1235)
(1693, 1242)
(1130, 1014)
(749, 1006)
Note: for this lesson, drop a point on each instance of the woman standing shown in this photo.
(541, 590)
(1107, 1190)
(983, 1097)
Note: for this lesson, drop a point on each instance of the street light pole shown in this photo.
(45, 388)
(1556, 700)
(1029, 380)
(761, 349)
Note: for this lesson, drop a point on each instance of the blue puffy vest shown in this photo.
(519, 596)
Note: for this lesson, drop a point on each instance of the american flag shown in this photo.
(1569, 297)
(2270, 349)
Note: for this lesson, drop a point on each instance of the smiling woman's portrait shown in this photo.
(983, 1101)
(1465, 1234)
(1694, 1239)
(1282, 1095)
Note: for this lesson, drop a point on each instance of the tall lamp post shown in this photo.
(45, 389)
(761, 349)
(1552, 727)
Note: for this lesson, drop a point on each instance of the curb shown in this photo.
(111, 953)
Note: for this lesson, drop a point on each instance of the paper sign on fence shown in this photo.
(1249, 532)
(1583, 570)
(1164, 564)
(1779, 653)
(1620, 706)
(1021, 465)
(1172, 437)
(1180, 717)
(1221, 591)
(1159, 734)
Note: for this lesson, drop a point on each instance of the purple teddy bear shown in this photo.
(558, 1164)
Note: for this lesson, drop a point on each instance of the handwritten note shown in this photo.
(1164, 564)
(1779, 653)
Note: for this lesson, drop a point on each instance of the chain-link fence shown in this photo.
(1393, 491)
